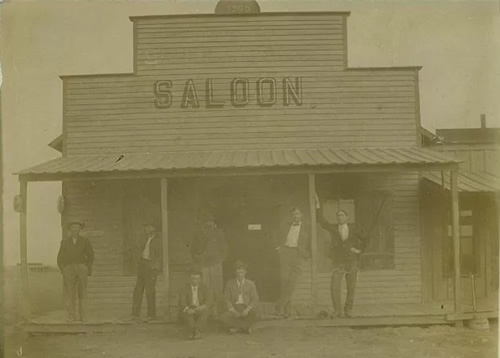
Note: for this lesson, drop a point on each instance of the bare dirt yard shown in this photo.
(146, 340)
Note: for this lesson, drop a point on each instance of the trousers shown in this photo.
(212, 277)
(349, 270)
(290, 272)
(75, 282)
(239, 322)
(196, 321)
(146, 281)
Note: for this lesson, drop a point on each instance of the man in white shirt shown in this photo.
(241, 300)
(195, 303)
(147, 272)
(292, 246)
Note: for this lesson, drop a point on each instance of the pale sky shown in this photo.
(456, 42)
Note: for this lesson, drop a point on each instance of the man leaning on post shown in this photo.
(147, 272)
(75, 259)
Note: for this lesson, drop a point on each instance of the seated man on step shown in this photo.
(195, 302)
(241, 299)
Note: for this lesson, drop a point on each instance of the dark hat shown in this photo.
(76, 222)
(323, 314)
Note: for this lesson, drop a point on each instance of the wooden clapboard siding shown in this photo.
(383, 118)
(403, 284)
(340, 106)
(475, 157)
(109, 288)
(259, 43)
(99, 205)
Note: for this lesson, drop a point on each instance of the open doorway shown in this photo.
(247, 212)
(249, 233)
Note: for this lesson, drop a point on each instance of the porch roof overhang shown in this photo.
(234, 162)
(468, 182)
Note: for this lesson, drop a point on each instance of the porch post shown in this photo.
(456, 239)
(24, 248)
(164, 235)
(314, 242)
(23, 234)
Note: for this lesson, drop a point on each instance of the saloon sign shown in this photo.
(267, 93)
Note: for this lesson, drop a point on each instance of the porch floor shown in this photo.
(364, 316)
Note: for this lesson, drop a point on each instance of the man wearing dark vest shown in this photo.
(347, 243)
(147, 271)
(241, 299)
(75, 259)
(195, 302)
(292, 243)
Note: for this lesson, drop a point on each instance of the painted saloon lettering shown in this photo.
(265, 92)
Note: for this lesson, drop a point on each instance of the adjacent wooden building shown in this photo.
(478, 150)
(246, 115)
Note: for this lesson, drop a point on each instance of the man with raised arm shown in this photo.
(347, 243)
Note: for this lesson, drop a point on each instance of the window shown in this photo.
(374, 211)
(370, 211)
(468, 243)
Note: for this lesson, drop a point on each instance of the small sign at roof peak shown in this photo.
(237, 7)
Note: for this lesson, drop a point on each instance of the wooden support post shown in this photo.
(23, 235)
(455, 214)
(314, 243)
(164, 236)
(24, 310)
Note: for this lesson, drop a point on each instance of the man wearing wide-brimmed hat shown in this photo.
(75, 259)
(147, 271)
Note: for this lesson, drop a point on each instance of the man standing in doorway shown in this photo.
(75, 259)
(347, 243)
(292, 245)
(241, 299)
(147, 271)
(208, 250)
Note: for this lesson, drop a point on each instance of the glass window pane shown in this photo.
(466, 230)
(467, 246)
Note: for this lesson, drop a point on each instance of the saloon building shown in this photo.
(246, 114)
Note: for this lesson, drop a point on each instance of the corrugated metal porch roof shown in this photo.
(468, 181)
(273, 158)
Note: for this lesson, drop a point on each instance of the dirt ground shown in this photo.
(152, 341)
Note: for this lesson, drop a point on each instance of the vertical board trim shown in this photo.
(164, 234)
(314, 242)
(456, 239)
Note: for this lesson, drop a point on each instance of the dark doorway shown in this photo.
(249, 221)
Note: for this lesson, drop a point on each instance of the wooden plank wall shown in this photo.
(99, 205)
(340, 107)
(403, 284)
(475, 157)
(109, 289)
(440, 286)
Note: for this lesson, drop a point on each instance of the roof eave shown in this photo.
(201, 172)
(280, 13)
